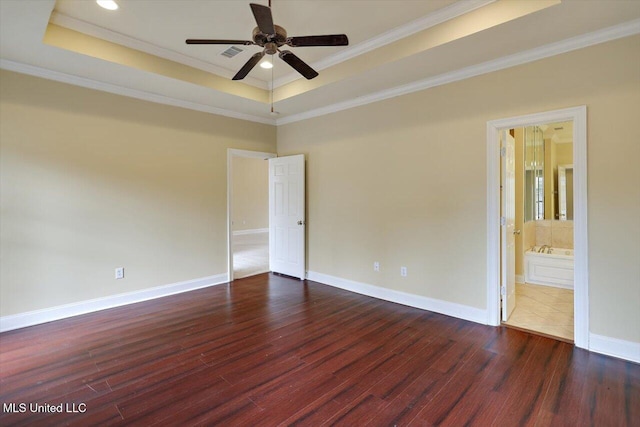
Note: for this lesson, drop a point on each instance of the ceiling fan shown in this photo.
(272, 37)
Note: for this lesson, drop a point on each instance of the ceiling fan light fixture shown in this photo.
(266, 65)
(107, 4)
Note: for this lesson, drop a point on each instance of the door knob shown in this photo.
(300, 222)
(516, 231)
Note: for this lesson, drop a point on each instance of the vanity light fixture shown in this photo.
(107, 4)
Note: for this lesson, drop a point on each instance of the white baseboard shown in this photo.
(614, 347)
(255, 273)
(30, 318)
(465, 312)
(251, 231)
(627, 350)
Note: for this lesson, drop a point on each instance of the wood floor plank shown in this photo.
(173, 392)
(470, 392)
(279, 403)
(531, 386)
(269, 350)
(405, 374)
(409, 401)
(607, 390)
(318, 412)
(357, 412)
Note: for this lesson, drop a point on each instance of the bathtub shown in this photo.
(549, 269)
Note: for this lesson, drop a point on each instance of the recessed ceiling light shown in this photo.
(266, 64)
(107, 4)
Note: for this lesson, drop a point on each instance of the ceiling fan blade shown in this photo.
(248, 66)
(327, 40)
(263, 18)
(214, 41)
(298, 64)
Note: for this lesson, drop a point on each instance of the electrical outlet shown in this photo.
(120, 273)
(403, 271)
(376, 266)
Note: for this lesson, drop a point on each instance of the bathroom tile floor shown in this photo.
(543, 309)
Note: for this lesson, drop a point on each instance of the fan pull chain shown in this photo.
(272, 67)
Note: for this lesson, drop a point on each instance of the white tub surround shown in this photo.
(549, 266)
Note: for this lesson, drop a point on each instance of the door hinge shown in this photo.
(503, 290)
(503, 151)
(503, 221)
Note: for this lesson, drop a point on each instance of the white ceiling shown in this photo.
(396, 46)
(169, 23)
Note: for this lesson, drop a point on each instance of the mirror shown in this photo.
(533, 173)
(548, 178)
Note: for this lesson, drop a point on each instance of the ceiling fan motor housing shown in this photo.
(262, 39)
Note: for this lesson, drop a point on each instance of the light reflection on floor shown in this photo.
(250, 254)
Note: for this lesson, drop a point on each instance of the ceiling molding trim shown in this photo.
(608, 34)
(574, 43)
(125, 91)
(84, 27)
(431, 20)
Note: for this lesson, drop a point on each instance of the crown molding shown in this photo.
(574, 43)
(125, 91)
(84, 27)
(608, 34)
(431, 20)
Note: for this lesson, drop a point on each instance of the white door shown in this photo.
(286, 216)
(508, 280)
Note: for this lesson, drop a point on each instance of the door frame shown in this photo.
(507, 204)
(581, 261)
(231, 153)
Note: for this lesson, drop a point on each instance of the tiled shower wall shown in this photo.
(557, 234)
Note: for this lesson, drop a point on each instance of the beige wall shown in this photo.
(403, 181)
(564, 154)
(92, 181)
(250, 193)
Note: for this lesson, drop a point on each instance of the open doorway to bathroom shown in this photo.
(543, 296)
(496, 129)
(248, 211)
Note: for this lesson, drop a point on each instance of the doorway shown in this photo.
(247, 212)
(537, 237)
(577, 116)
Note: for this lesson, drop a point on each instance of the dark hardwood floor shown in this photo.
(269, 351)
